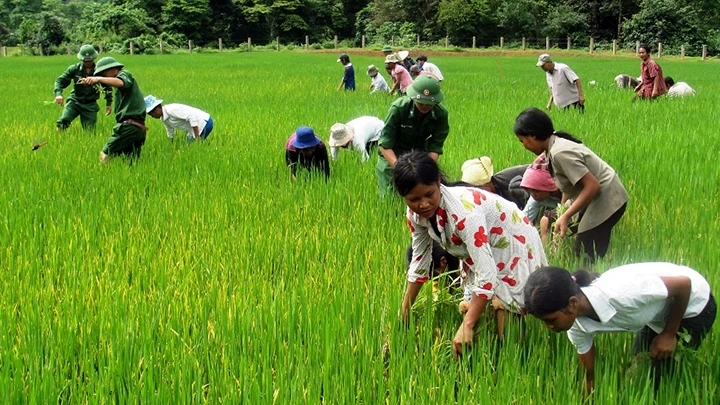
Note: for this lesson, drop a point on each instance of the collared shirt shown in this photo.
(497, 244)
(365, 129)
(318, 161)
(80, 92)
(404, 130)
(432, 69)
(129, 103)
(561, 82)
(652, 76)
(570, 161)
(630, 297)
(399, 74)
(681, 89)
(349, 77)
(379, 84)
(183, 117)
(507, 185)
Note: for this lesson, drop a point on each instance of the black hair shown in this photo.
(549, 289)
(535, 122)
(669, 81)
(413, 168)
(422, 58)
(453, 263)
(645, 47)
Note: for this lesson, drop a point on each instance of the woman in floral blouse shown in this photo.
(499, 247)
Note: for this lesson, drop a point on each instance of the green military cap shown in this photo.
(106, 63)
(425, 90)
(87, 53)
(387, 48)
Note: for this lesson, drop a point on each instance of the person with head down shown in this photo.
(305, 149)
(418, 122)
(83, 99)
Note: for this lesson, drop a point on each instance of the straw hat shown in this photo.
(340, 134)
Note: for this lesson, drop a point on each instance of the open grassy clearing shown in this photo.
(202, 274)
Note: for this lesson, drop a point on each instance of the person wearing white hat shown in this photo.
(564, 84)
(196, 123)
(401, 77)
(405, 60)
(360, 134)
(378, 83)
(506, 183)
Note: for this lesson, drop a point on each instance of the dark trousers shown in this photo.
(577, 106)
(595, 242)
(696, 327)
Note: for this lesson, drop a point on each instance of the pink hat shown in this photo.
(537, 176)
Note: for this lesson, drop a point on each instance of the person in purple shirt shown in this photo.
(349, 77)
(305, 149)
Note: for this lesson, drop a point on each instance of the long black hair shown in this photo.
(415, 168)
(535, 122)
(549, 289)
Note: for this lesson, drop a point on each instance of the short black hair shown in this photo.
(422, 58)
(645, 47)
(669, 81)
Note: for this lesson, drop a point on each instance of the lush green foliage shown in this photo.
(202, 274)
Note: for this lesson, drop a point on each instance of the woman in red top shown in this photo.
(653, 83)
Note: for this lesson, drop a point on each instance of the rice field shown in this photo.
(202, 274)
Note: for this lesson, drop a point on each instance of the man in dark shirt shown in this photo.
(305, 149)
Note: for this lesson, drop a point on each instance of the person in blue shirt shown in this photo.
(349, 77)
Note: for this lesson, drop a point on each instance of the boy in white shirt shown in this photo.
(679, 89)
(195, 122)
(378, 83)
(431, 68)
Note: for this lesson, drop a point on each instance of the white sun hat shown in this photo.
(340, 134)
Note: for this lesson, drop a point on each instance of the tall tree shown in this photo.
(191, 18)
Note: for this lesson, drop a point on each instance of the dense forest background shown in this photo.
(48, 24)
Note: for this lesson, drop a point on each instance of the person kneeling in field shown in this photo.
(196, 123)
(656, 300)
(505, 183)
(497, 245)
(544, 196)
(129, 133)
(360, 134)
(305, 149)
(679, 89)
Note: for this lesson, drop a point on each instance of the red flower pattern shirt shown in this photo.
(498, 246)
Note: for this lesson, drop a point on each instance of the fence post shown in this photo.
(474, 42)
(249, 44)
(502, 42)
(659, 50)
(219, 44)
(547, 43)
(614, 47)
(190, 45)
(682, 52)
(568, 43)
(392, 40)
(335, 42)
(131, 47)
(42, 53)
(101, 47)
(704, 53)
(277, 43)
(637, 47)
(67, 47)
(592, 44)
(307, 42)
(4, 50)
(418, 41)
(161, 46)
(363, 42)
(523, 43)
(446, 41)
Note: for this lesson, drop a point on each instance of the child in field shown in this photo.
(129, 133)
(544, 196)
(196, 123)
(377, 83)
(679, 89)
(655, 300)
(499, 248)
(598, 195)
(305, 149)
(349, 76)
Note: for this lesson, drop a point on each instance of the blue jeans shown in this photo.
(208, 128)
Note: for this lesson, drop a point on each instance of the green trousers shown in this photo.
(126, 139)
(384, 176)
(86, 111)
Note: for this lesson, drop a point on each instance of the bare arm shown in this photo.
(411, 293)
(587, 363)
(389, 155)
(107, 81)
(679, 289)
(466, 331)
(434, 156)
(581, 98)
(590, 189)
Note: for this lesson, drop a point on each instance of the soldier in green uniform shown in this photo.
(416, 121)
(128, 134)
(83, 99)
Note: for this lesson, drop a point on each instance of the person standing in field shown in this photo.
(652, 84)
(598, 195)
(196, 123)
(414, 122)
(378, 83)
(401, 77)
(655, 300)
(83, 99)
(499, 247)
(360, 134)
(679, 89)
(506, 183)
(128, 135)
(564, 84)
(305, 149)
(348, 79)
(428, 67)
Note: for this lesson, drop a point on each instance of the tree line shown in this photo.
(44, 25)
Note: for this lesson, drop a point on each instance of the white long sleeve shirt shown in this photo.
(380, 85)
(366, 129)
(433, 69)
(184, 118)
(680, 89)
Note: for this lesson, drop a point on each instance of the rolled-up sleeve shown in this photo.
(419, 268)
(582, 340)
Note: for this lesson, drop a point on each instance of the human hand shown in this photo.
(463, 337)
(89, 81)
(581, 100)
(561, 226)
(108, 110)
(663, 346)
(59, 100)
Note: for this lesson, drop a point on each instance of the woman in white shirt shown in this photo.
(656, 300)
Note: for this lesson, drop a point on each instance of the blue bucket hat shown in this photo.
(305, 138)
(151, 102)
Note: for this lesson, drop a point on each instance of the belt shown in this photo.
(136, 123)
